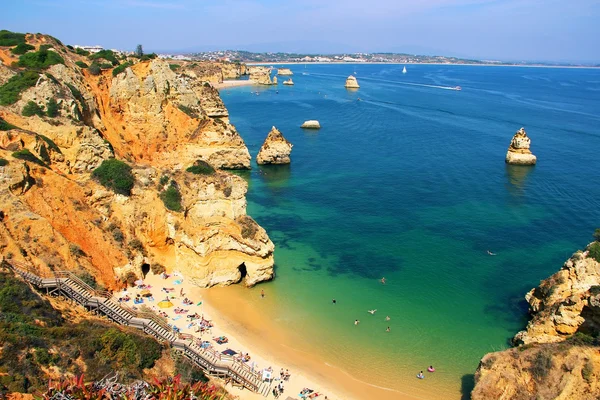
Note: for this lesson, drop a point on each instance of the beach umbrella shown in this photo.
(165, 304)
(146, 293)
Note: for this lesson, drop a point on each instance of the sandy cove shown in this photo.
(234, 83)
(250, 331)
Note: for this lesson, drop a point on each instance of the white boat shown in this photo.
(404, 70)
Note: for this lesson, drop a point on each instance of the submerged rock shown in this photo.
(311, 124)
(351, 82)
(275, 150)
(518, 151)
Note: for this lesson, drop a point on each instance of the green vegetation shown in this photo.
(94, 69)
(121, 68)
(147, 57)
(3, 162)
(81, 64)
(594, 251)
(174, 67)
(115, 175)
(541, 364)
(26, 155)
(10, 92)
(201, 167)
(22, 48)
(136, 244)
(8, 38)
(139, 51)
(52, 78)
(108, 55)
(34, 336)
(248, 226)
(189, 111)
(597, 235)
(41, 59)
(31, 108)
(52, 108)
(5, 126)
(595, 290)
(157, 269)
(583, 339)
(50, 143)
(587, 371)
(82, 52)
(171, 197)
(163, 180)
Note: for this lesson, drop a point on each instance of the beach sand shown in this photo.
(249, 331)
(234, 83)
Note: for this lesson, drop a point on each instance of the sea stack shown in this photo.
(284, 71)
(312, 124)
(351, 82)
(274, 80)
(518, 151)
(288, 82)
(275, 150)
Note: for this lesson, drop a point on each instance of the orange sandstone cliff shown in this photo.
(160, 121)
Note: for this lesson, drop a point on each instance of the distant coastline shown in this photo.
(414, 63)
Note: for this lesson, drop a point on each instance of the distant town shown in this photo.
(258, 58)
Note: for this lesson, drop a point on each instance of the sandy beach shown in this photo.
(234, 83)
(249, 331)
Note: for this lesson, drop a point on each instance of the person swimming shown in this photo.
(387, 318)
(372, 312)
(490, 253)
(420, 375)
(356, 322)
(334, 301)
(387, 329)
(383, 280)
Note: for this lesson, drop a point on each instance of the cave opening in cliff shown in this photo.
(145, 269)
(243, 271)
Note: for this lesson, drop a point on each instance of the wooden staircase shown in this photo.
(65, 283)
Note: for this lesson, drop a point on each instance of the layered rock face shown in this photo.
(284, 71)
(554, 358)
(275, 150)
(351, 82)
(518, 151)
(55, 216)
(261, 75)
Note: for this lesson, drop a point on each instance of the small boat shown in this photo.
(404, 70)
(457, 88)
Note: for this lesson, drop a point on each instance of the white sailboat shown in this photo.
(404, 70)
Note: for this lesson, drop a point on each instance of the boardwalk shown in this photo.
(213, 363)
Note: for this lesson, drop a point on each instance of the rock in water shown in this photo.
(312, 124)
(288, 82)
(274, 80)
(351, 82)
(518, 151)
(275, 150)
(284, 71)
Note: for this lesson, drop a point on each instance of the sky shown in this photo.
(509, 30)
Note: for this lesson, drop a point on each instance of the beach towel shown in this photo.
(176, 318)
(178, 282)
(199, 303)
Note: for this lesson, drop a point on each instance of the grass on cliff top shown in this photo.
(41, 59)
(8, 38)
(34, 336)
(22, 48)
(107, 55)
(115, 175)
(121, 68)
(10, 92)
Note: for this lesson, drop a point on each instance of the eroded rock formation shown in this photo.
(311, 124)
(518, 151)
(261, 75)
(351, 82)
(289, 82)
(161, 120)
(284, 71)
(275, 150)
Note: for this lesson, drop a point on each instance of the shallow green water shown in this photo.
(409, 182)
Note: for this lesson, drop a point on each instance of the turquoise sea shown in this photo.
(409, 183)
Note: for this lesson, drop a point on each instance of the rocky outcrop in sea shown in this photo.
(311, 124)
(518, 151)
(275, 150)
(284, 71)
(351, 82)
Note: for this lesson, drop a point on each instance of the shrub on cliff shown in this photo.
(31, 108)
(8, 38)
(3, 162)
(82, 52)
(108, 55)
(594, 251)
(174, 67)
(5, 126)
(26, 155)
(541, 364)
(201, 167)
(121, 68)
(249, 227)
(597, 235)
(52, 108)
(10, 92)
(81, 64)
(43, 58)
(115, 175)
(22, 48)
(171, 197)
(94, 69)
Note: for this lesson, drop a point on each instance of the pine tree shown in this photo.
(138, 51)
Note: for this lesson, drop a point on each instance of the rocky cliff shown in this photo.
(158, 119)
(518, 151)
(261, 75)
(284, 71)
(351, 82)
(557, 354)
(275, 149)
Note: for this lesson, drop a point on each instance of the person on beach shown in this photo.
(383, 280)
(356, 322)
(181, 293)
(262, 294)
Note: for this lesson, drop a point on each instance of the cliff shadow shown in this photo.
(467, 385)
(517, 176)
(275, 175)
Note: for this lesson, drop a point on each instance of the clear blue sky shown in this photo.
(548, 30)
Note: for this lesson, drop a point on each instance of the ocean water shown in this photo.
(406, 180)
